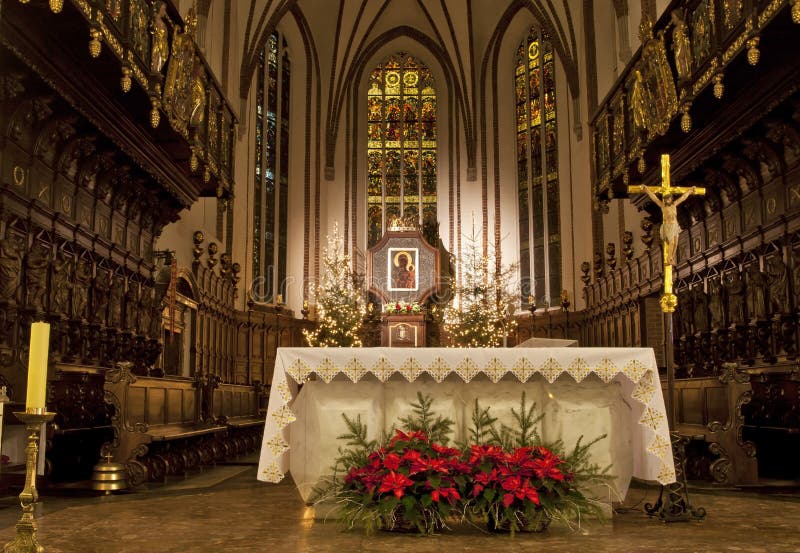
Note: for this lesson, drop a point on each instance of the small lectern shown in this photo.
(402, 270)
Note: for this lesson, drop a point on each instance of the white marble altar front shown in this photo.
(582, 392)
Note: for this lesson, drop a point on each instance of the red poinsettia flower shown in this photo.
(400, 435)
(520, 489)
(479, 451)
(412, 456)
(547, 467)
(511, 483)
(486, 477)
(392, 461)
(396, 483)
(450, 494)
(422, 464)
(447, 451)
(482, 480)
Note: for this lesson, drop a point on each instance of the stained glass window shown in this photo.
(270, 202)
(401, 144)
(537, 169)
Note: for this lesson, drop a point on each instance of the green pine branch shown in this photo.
(437, 428)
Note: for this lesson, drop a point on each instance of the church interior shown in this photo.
(172, 173)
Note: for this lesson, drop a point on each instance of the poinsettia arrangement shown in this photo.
(513, 488)
(411, 483)
(416, 482)
(402, 308)
(518, 483)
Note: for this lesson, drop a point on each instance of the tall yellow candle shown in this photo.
(37, 366)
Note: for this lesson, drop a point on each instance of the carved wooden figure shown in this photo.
(700, 301)
(36, 263)
(681, 46)
(80, 291)
(10, 269)
(685, 312)
(716, 305)
(61, 284)
(735, 289)
(757, 293)
(131, 304)
(145, 310)
(115, 302)
(778, 285)
(100, 293)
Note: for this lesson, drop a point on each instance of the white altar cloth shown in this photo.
(582, 391)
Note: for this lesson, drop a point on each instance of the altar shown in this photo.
(581, 391)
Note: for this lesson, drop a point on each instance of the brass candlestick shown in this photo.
(25, 540)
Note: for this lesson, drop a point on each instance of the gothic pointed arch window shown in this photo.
(537, 169)
(401, 144)
(271, 160)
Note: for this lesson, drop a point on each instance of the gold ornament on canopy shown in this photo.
(177, 100)
(654, 101)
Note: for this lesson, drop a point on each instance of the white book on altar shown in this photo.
(547, 343)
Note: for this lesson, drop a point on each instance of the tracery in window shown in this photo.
(537, 170)
(271, 191)
(401, 147)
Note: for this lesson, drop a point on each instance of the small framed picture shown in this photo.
(402, 270)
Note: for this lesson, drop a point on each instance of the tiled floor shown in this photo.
(227, 511)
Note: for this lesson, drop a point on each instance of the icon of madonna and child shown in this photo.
(402, 270)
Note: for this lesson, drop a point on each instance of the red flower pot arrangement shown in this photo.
(412, 482)
(416, 483)
(513, 489)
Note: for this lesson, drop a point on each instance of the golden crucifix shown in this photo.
(670, 229)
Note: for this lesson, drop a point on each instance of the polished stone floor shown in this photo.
(225, 510)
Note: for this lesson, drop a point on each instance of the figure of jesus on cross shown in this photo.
(670, 229)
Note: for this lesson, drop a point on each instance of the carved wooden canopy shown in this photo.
(402, 266)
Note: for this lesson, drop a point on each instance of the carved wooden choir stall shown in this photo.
(92, 168)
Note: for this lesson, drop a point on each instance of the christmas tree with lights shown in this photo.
(484, 296)
(339, 300)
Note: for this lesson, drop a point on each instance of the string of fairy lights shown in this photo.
(480, 314)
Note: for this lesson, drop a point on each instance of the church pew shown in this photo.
(169, 426)
(710, 409)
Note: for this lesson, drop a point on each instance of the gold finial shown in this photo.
(753, 53)
(94, 44)
(125, 80)
(645, 29)
(719, 86)
(190, 22)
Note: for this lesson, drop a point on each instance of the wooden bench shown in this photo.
(710, 409)
(236, 406)
(161, 429)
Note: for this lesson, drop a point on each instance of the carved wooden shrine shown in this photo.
(402, 270)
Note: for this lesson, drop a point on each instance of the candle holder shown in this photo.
(25, 540)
